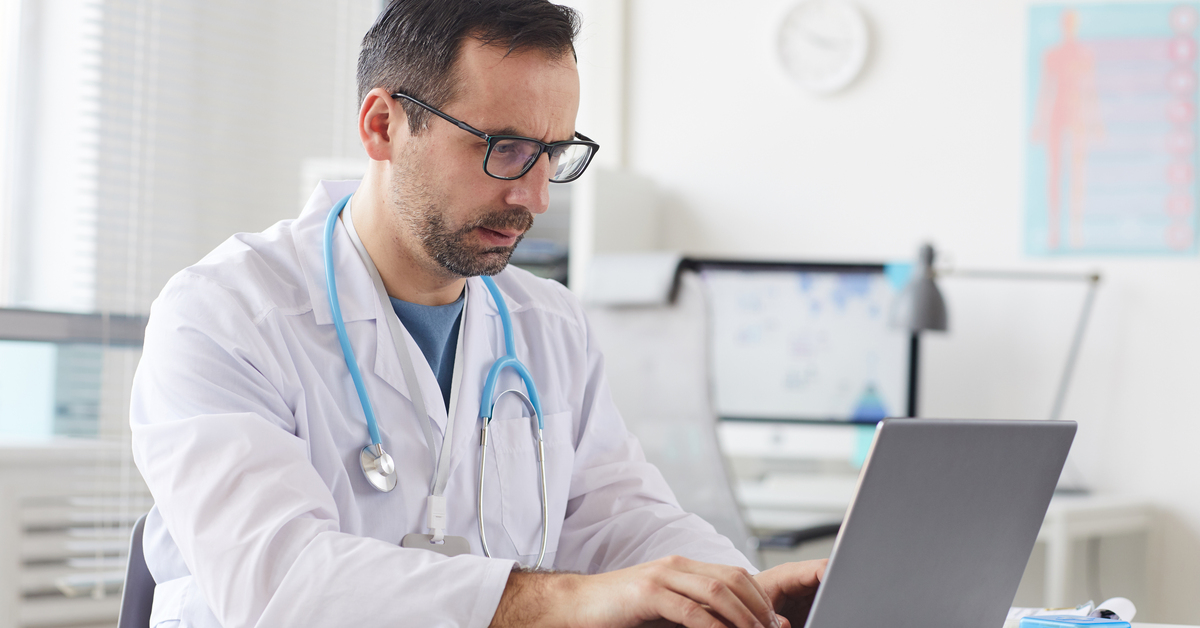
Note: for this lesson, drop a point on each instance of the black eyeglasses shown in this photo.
(511, 156)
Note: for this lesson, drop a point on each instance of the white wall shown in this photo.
(927, 146)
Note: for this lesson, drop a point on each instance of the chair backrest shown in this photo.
(137, 597)
(657, 366)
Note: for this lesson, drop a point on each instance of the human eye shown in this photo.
(513, 148)
(511, 156)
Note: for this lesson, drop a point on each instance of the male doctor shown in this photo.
(248, 429)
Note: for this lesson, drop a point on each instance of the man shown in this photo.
(248, 429)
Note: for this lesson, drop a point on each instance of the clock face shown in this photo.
(823, 44)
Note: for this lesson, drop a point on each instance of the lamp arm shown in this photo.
(1093, 279)
(1064, 382)
(1018, 275)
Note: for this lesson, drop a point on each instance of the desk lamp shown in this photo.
(920, 307)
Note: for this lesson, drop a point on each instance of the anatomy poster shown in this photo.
(1111, 145)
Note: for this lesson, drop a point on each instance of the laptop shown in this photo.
(942, 523)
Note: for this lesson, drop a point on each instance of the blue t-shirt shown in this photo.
(435, 328)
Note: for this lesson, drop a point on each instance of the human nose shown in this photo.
(532, 190)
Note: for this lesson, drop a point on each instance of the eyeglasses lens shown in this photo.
(511, 157)
(569, 161)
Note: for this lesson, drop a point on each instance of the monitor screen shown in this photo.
(805, 342)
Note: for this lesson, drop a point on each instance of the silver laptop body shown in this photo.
(942, 523)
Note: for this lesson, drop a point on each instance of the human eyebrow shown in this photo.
(507, 131)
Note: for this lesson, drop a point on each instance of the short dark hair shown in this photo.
(414, 44)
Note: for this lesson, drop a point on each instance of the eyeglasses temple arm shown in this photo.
(458, 123)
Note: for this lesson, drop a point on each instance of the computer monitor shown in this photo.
(804, 341)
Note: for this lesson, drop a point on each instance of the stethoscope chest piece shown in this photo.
(379, 467)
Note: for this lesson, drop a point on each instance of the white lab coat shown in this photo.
(247, 429)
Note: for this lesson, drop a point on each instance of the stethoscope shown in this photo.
(377, 465)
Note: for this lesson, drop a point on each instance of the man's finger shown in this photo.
(744, 585)
(789, 579)
(687, 612)
(721, 598)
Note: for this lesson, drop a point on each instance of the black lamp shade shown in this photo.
(920, 307)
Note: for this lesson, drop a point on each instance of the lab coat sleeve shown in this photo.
(620, 511)
(216, 441)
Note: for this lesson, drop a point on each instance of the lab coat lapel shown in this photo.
(483, 344)
(357, 297)
(388, 367)
(309, 236)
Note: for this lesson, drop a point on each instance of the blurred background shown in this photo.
(136, 135)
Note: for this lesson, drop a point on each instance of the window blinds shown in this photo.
(138, 135)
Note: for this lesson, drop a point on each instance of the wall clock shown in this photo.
(823, 44)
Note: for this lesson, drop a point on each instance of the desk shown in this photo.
(790, 502)
(1075, 517)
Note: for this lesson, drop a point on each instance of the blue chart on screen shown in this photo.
(805, 345)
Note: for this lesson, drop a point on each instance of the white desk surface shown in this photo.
(1137, 625)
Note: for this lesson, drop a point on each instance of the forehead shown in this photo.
(527, 92)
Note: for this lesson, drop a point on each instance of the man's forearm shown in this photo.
(674, 589)
(534, 598)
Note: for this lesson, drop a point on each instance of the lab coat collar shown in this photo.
(354, 283)
(483, 344)
(356, 298)
(356, 295)
(483, 332)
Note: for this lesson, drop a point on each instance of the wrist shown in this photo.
(562, 593)
(538, 599)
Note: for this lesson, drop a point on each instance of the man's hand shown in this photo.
(675, 589)
(792, 587)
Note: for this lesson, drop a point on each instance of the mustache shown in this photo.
(516, 219)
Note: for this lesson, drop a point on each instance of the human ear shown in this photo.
(381, 122)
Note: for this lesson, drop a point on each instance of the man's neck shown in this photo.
(404, 275)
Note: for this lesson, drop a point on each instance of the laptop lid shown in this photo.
(942, 523)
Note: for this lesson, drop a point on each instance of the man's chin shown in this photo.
(484, 263)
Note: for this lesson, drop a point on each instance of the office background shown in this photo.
(203, 122)
(927, 146)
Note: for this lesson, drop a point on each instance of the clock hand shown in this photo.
(820, 40)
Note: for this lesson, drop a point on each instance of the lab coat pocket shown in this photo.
(515, 449)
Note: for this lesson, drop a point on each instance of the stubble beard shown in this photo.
(445, 244)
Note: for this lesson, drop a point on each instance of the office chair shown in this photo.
(657, 367)
(137, 596)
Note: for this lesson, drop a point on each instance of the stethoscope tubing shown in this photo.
(483, 440)
(344, 339)
(487, 403)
